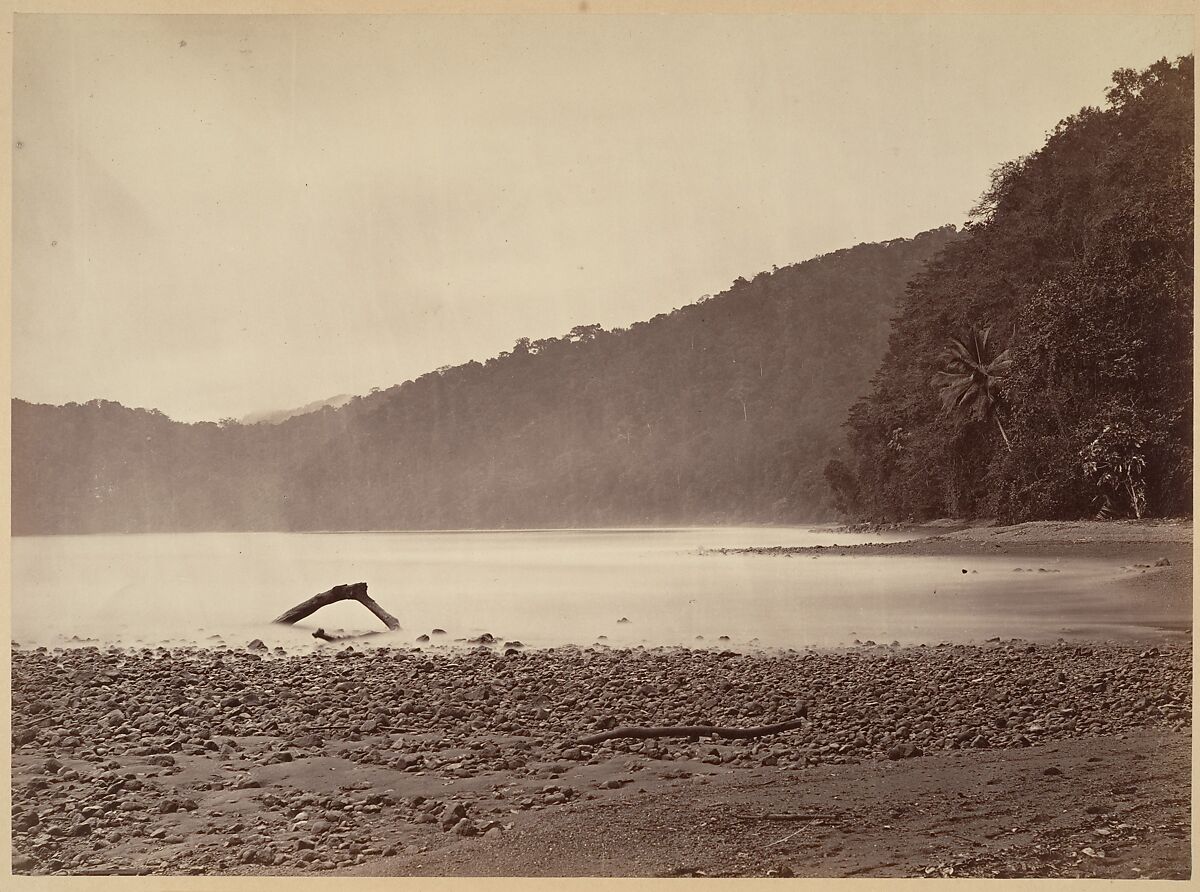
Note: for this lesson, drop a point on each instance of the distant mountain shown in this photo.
(723, 411)
(284, 414)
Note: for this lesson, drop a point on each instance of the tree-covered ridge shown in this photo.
(723, 411)
(1079, 261)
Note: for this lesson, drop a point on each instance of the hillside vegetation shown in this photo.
(726, 410)
(1069, 391)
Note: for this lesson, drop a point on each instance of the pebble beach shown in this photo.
(214, 761)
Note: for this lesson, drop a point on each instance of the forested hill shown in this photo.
(1079, 266)
(726, 410)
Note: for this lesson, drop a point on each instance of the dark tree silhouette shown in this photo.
(970, 382)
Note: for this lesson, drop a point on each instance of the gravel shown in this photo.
(113, 748)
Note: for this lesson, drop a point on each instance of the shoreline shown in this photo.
(201, 762)
(1000, 759)
(1120, 539)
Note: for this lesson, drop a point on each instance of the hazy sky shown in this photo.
(218, 215)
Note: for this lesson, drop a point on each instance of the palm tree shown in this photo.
(969, 384)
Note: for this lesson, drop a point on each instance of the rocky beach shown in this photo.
(210, 762)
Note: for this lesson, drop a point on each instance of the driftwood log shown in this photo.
(348, 592)
(641, 733)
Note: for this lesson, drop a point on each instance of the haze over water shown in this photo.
(547, 588)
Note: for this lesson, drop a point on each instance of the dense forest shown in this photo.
(1041, 367)
(726, 410)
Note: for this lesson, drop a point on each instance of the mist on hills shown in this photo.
(723, 411)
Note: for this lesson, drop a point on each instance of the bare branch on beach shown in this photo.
(347, 592)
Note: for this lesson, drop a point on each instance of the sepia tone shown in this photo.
(766, 442)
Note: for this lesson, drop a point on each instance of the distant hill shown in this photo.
(723, 411)
(284, 414)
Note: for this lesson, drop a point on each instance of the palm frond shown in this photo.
(1001, 364)
(969, 382)
(981, 343)
(958, 355)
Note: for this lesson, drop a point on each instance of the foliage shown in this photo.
(970, 381)
(724, 411)
(1116, 463)
(844, 487)
(1084, 251)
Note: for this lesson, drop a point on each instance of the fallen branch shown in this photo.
(388, 728)
(347, 592)
(790, 835)
(642, 733)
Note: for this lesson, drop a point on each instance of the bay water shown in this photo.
(618, 588)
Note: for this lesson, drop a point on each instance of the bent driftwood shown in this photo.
(325, 636)
(348, 592)
(642, 733)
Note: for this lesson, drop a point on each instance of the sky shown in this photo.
(220, 215)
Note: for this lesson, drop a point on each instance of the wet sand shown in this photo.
(1154, 588)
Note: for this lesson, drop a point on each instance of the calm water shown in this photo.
(547, 588)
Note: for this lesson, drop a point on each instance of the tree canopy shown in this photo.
(1079, 259)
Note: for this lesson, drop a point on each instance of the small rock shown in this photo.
(26, 821)
(903, 751)
(22, 862)
(256, 644)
